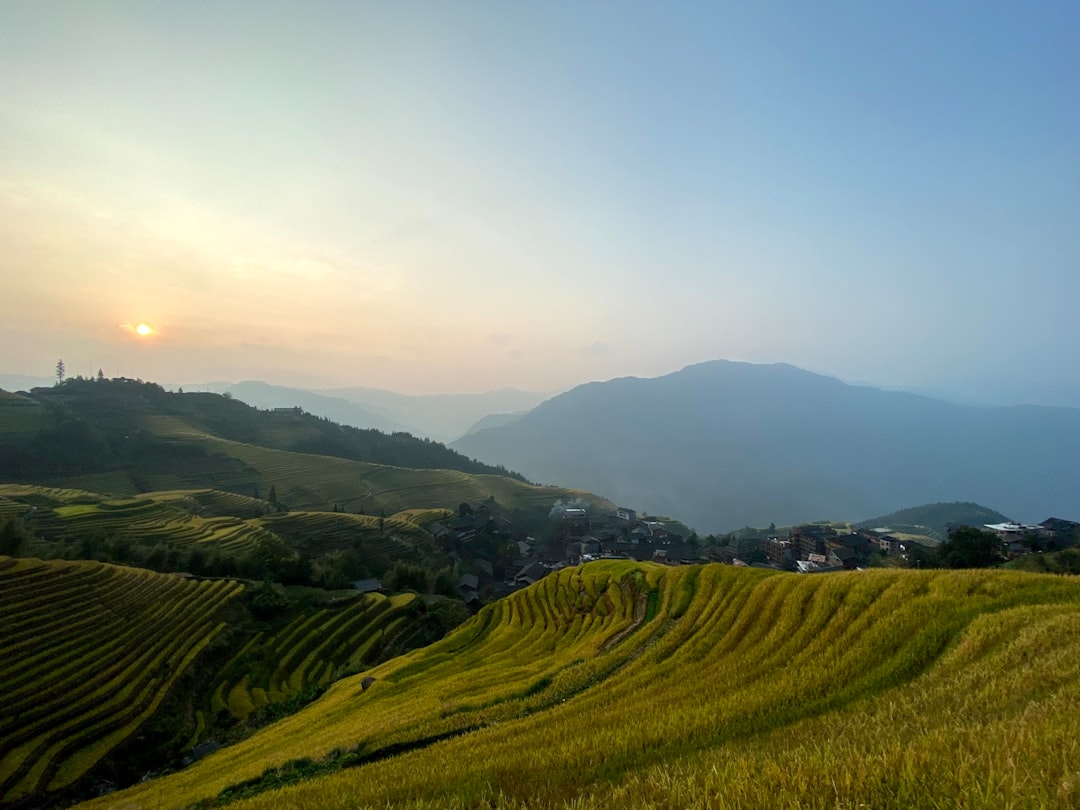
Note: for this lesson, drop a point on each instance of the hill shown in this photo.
(95, 418)
(725, 444)
(636, 685)
(124, 437)
(934, 518)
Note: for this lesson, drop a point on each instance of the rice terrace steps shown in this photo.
(91, 653)
(621, 684)
(88, 652)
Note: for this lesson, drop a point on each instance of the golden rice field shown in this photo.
(634, 685)
(169, 516)
(312, 650)
(87, 653)
(222, 520)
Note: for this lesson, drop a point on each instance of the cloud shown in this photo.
(597, 349)
(501, 338)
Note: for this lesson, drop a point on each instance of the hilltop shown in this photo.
(934, 519)
(724, 444)
(636, 685)
(98, 416)
(124, 437)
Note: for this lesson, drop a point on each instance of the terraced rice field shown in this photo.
(87, 654)
(226, 521)
(311, 651)
(634, 685)
(10, 509)
(146, 519)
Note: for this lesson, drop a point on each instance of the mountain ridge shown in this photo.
(775, 443)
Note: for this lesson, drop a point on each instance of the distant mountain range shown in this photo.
(442, 417)
(726, 444)
(337, 409)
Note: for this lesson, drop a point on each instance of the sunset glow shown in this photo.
(418, 213)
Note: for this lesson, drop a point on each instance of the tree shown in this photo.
(272, 497)
(968, 547)
(100, 375)
(60, 370)
(12, 539)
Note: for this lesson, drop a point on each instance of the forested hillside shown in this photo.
(82, 425)
(123, 437)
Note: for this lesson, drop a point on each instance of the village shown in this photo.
(497, 559)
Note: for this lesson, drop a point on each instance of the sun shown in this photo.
(144, 330)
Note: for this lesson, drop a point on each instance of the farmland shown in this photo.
(88, 653)
(217, 522)
(112, 671)
(622, 684)
(310, 651)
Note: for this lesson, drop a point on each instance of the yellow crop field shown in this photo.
(634, 685)
(87, 654)
(312, 651)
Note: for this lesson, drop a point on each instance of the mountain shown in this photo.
(22, 382)
(495, 420)
(618, 684)
(725, 444)
(336, 409)
(442, 417)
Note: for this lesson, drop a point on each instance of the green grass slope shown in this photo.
(634, 685)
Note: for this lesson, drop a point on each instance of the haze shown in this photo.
(464, 196)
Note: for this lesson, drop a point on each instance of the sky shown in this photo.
(462, 196)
